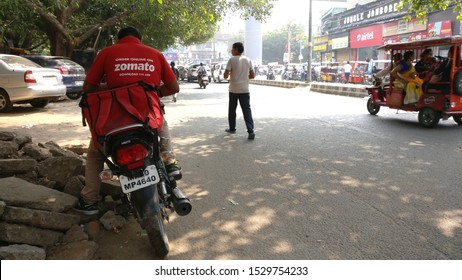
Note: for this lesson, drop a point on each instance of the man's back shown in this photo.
(130, 61)
(240, 66)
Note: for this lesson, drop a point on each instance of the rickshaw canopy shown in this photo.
(422, 43)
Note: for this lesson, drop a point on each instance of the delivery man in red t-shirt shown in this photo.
(128, 61)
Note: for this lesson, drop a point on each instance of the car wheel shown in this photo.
(39, 103)
(5, 103)
(74, 95)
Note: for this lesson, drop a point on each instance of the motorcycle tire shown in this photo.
(148, 208)
(154, 226)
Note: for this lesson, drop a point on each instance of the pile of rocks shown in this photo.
(39, 184)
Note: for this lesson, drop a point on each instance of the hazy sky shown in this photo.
(284, 12)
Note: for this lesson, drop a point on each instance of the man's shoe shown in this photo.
(173, 170)
(251, 136)
(86, 208)
(230, 131)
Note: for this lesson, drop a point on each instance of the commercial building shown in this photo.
(355, 34)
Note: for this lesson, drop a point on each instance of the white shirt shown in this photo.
(239, 67)
(347, 68)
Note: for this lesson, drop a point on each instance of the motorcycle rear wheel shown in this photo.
(154, 226)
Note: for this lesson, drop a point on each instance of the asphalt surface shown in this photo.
(322, 180)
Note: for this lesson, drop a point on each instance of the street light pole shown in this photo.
(308, 78)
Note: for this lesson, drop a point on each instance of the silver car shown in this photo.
(23, 81)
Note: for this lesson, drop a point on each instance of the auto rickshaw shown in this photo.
(358, 74)
(435, 104)
(331, 72)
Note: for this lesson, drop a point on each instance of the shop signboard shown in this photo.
(366, 36)
(403, 27)
(320, 43)
(439, 29)
(340, 43)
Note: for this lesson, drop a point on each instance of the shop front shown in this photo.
(340, 47)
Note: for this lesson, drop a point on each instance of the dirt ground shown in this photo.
(61, 123)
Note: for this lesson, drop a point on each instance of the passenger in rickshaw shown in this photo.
(425, 65)
(382, 73)
(441, 77)
(406, 78)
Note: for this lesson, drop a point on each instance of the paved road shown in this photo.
(322, 180)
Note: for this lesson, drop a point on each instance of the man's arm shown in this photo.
(251, 74)
(170, 88)
(87, 87)
(226, 74)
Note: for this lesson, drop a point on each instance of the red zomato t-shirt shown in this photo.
(130, 61)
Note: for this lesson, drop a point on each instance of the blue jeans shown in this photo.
(244, 101)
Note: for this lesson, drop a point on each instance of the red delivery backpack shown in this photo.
(108, 110)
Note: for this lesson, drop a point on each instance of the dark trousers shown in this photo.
(244, 101)
(347, 77)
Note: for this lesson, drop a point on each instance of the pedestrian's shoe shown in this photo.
(230, 131)
(86, 208)
(173, 170)
(251, 136)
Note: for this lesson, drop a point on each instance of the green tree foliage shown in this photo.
(420, 8)
(65, 25)
(275, 44)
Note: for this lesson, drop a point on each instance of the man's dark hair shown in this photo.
(239, 47)
(129, 31)
(425, 53)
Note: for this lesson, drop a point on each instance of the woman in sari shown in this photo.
(406, 77)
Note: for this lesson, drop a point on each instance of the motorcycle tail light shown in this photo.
(132, 155)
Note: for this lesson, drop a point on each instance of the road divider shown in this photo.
(352, 90)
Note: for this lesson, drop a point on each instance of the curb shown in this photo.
(329, 88)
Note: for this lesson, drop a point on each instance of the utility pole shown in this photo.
(288, 45)
(308, 78)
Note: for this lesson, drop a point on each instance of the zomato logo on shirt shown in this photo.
(134, 66)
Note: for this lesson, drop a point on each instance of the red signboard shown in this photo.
(369, 36)
(439, 29)
(415, 36)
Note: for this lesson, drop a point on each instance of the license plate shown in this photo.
(79, 83)
(150, 177)
(50, 79)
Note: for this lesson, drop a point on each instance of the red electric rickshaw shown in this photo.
(435, 103)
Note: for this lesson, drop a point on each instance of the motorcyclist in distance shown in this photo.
(200, 73)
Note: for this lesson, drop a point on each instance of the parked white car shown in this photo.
(23, 81)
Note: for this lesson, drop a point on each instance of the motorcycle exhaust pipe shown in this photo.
(181, 203)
